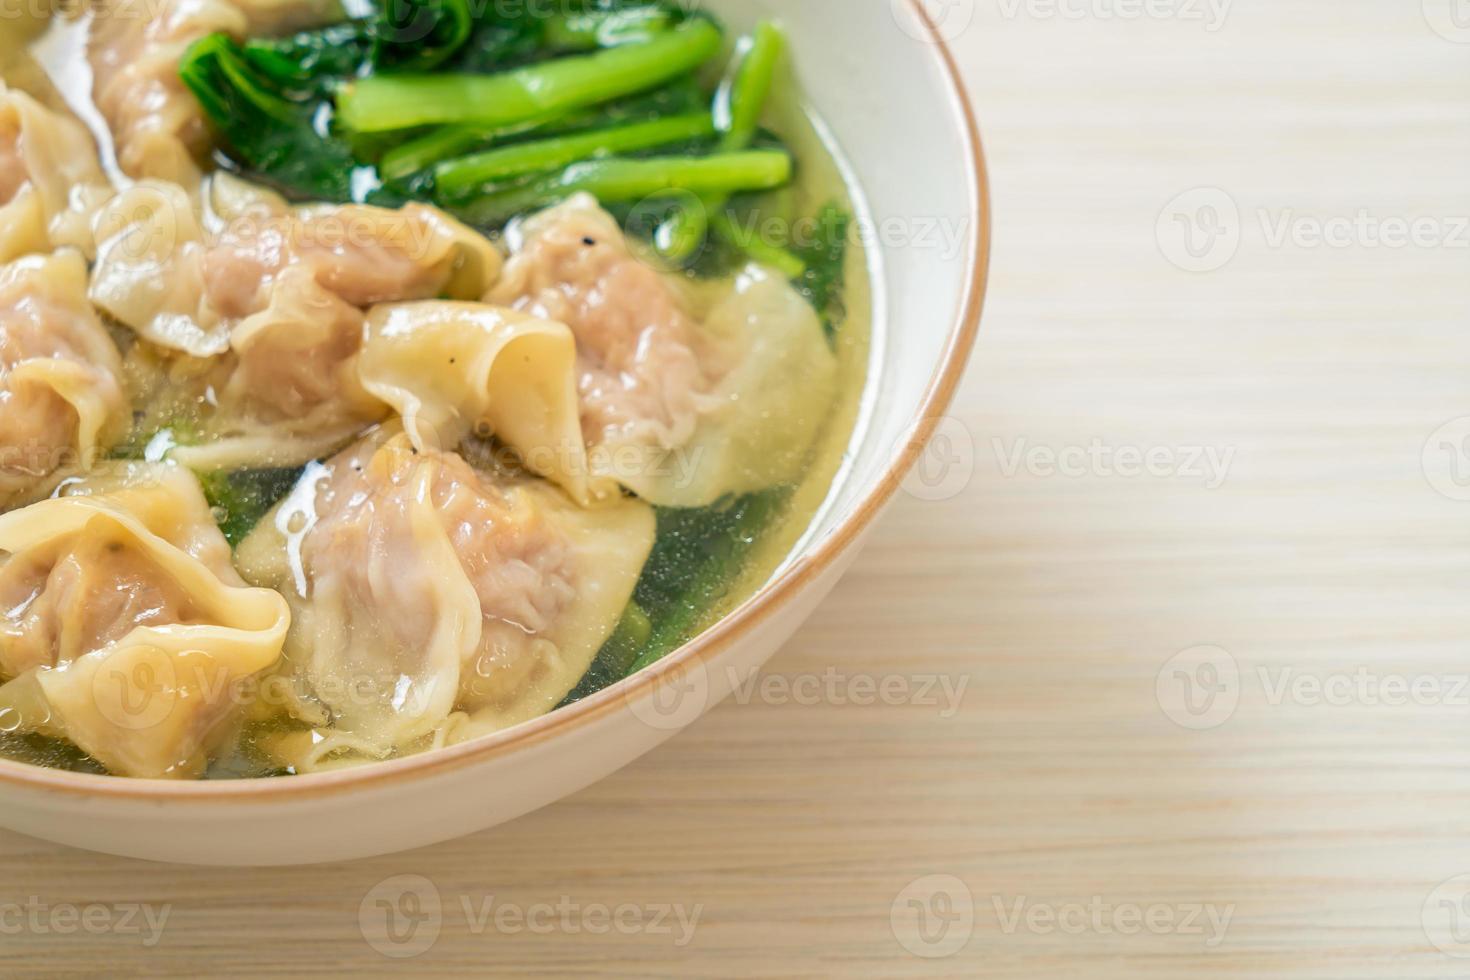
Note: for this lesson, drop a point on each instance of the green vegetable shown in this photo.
(152, 441)
(752, 245)
(630, 180)
(278, 137)
(388, 102)
(501, 43)
(405, 35)
(587, 30)
(312, 61)
(457, 176)
(617, 655)
(52, 753)
(680, 96)
(742, 96)
(241, 498)
(825, 258)
(685, 230)
(419, 154)
(739, 103)
(698, 556)
(420, 35)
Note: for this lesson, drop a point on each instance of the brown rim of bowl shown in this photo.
(772, 596)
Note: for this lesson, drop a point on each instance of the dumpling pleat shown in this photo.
(145, 696)
(440, 601)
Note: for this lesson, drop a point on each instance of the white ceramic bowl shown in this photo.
(880, 78)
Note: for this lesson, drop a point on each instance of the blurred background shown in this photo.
(1160, 668)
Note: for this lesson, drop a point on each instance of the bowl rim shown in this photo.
(773, 596)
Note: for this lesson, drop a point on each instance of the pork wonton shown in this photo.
(433, 600)
(680, 411)
(134, 49)
(125, 629)
(61, 403)
(50, 181)
(453, 369)
(289, 486)
(271, 299)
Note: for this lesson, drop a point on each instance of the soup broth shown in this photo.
(380, 505)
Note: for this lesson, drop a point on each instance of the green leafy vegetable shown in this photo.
(420, 35)
(312, 61)
(241, 498)
(280, 138)
(738, 106)
(630, 180)
(825, 256)
(697, 559)
(680, 97)
(424, 151)
(52, 753)
(617, 655)
(742, 96)
(389, 102)
(685, 231)
(755, 247)
(468, 173)
(500, 43)
(589, 29)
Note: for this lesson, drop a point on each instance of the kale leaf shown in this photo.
(825, 256)
(241, 498)
(285, 140)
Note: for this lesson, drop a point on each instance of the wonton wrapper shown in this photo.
(433, 601)
(453, 369)
(770, 405)
(127, 630)
(678, 411)
(135, 46)
(61, 402)
(275, 295)
(50, 181)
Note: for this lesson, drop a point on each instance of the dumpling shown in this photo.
(61, 402)
(186, 281)
(50, 181)
(125, 629)
(434, 600)
(682, 412)
(276, 295)
(454, 369)
(134, 48)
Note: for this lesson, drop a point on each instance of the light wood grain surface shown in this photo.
(1306, 833)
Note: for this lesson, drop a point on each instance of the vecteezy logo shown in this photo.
(1199, 231)
(1446, 459)
(676, 701)
(934, 916)
(1450, 19)
(135, 688)
(950, 18)
(675, 221)
(1199, 688)
(1446, 917)
(945, 465)
(401, 916)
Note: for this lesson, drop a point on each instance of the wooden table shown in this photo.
(1089, 809)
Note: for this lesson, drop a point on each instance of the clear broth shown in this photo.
(754, 537)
